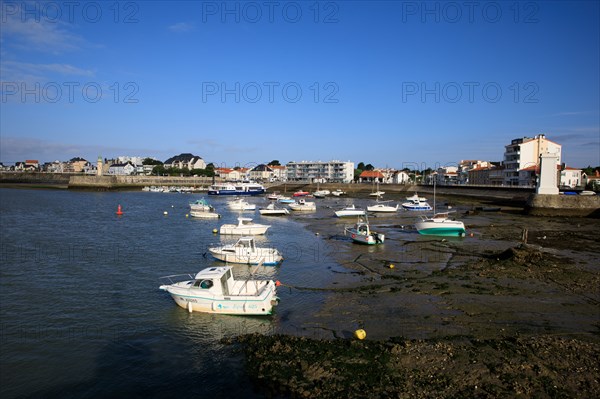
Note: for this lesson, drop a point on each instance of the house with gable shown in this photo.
(185, 161)
(121, 169)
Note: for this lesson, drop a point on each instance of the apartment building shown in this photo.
(332, 171)
(523, 153)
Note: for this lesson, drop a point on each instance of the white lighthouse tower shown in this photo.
(99, 166)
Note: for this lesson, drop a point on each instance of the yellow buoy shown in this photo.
(165, 213)
(391, 265)
(360, 334)
(187, 216)
(214, 231)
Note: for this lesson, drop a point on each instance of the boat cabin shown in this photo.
(217, 280)
(241, 244)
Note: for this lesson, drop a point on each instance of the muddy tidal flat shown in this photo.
(510, 310)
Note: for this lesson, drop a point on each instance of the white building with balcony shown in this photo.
(332, 171)
(523, 153)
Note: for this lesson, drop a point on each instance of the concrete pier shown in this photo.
(563, 205)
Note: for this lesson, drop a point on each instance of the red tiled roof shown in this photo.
(371, 173)
(30, 161)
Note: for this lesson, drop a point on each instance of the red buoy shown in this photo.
(119, 211)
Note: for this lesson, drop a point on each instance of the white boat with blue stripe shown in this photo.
(242, 188)
(215, 290)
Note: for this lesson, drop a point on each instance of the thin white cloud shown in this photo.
(40, 35)
(181, 27)
(16, 71)
(572, 113)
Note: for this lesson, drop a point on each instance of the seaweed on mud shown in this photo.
(458, 366)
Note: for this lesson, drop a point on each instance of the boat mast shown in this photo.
(434, 194)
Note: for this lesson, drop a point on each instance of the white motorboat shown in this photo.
(350, 211)
(361, 233)
(338, 192)
(321, 193)
(211, 214)
(272, 210)
(245, 251)
(215, 290)
(382, 207)
(302, 205)
(285, 200)
(200, 205)
(244, 227)
(273, 196)
(440, 225)
(241, 188)
(240, 204)
(416, 205)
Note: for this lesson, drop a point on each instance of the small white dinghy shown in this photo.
(245, 251)
(211, 214)
(272, 210)
(245, 227)
(350, 210)
(302, 205)
(215, 290)
(241, 204)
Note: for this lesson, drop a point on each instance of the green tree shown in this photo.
(357, 173)
(274, 162)
(360, 166)
(159, 170)
(369, 167)
(150, 161)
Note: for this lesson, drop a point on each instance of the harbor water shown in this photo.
(81, 314)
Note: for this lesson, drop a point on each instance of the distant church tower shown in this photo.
(99, 166)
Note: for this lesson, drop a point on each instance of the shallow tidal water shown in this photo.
(81, 313)
(80, 309)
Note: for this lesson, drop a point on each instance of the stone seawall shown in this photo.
(563, 205)
(34, 178)
(135, 182)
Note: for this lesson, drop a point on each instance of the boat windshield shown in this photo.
(205, 284)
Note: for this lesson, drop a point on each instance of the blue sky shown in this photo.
(394, 84)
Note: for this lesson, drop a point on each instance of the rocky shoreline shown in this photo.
(512, 310)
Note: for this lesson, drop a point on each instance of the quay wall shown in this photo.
(35, 178)
(513, 195)
(563, 205)
(135, 182)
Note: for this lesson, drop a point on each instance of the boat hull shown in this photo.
(441, 229)
(234, 305)
(243, 231)
(266, 256)
(204, 215)
(371, 239)
(342, 214)
(388, 209)
(416, 207)
(236, 192)
(268, 212)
